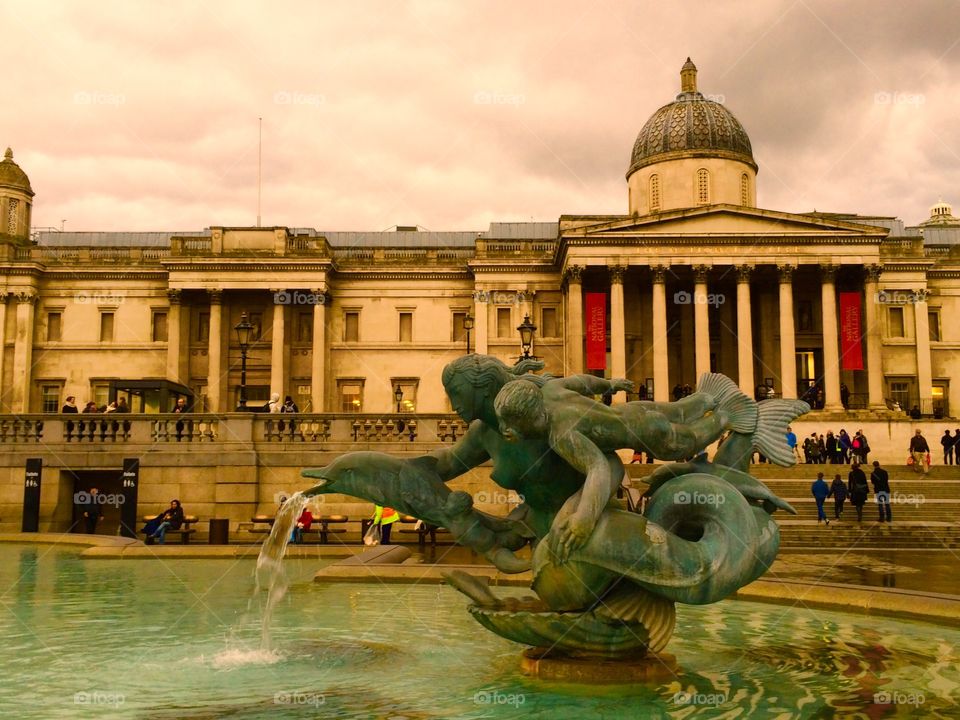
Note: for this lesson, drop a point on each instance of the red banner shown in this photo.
(851, 349)
(596, 327)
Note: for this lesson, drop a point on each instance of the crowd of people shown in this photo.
(70, 406)
(830, 448)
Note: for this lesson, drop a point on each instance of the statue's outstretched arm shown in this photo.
(590, 385)
(466, 453)
(572, 531)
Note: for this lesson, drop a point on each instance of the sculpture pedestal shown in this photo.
(651, 668)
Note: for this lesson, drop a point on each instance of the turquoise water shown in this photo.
(157, 639)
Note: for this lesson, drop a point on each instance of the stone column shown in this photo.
(3, 344)
(661, 363)
(874, 360)
(744, 331)
(573, 277)
(831, 339)
(701, 321)
(788, 347)
(318, 360)
(174, 337)
(23, 350)
(618, 329)
(278, 376)
(924, 367)
(481, 323)
(214, 360)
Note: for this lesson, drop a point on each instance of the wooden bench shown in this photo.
(265, 520)
(422, 531)
(324, 529)
(185, 530)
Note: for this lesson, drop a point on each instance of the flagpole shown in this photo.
(259, 166)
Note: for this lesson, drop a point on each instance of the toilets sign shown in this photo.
(129, 481)
(31, 495)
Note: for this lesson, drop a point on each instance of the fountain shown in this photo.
(605, 580)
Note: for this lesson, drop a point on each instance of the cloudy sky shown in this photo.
(143, 116)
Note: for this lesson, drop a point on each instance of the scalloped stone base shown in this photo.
(539, 663)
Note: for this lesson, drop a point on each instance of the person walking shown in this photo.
(881, 488)
(918, 451)
(947, 442)
(858, 489)
(385, 517)
(92, 511)
(838, 491)
(820, 491)
(792, 443)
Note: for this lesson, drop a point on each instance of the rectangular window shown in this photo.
(203, 327)
(305, 327)
(934, 322)
(406, 327)
(548, 322)
(895, 317)
(900, 393)
(351, 327)
(49, 398)
(503, 323)
(459, 332)
(159, 330)
(101, 394)
(408, 388)
(804, 316)
(106, 326)
(351, 395)
(54, 326)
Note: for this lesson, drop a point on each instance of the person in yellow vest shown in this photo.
(385, 517)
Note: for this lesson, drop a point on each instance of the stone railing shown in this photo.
(405, 255)
(341, 429)
(534, 249)
(97, 255)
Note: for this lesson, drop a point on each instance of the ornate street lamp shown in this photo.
(398, 395)
(527, 329)
(243, 328)
(468, 326)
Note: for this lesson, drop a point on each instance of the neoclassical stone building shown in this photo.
(694, 276)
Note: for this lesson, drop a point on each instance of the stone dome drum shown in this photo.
(12, 176)
(691, 126)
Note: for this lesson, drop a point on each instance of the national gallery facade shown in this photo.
(693, 277)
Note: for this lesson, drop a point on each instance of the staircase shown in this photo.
(926, 509)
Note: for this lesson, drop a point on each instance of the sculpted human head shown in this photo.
(473, 381)
(520, 411)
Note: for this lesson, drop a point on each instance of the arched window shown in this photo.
(744, 190)
(654, 193)
(703, 186)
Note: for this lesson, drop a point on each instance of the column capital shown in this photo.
(786, 273)
(616, 274)
(828, 273)
(744, 273)
(573, 274)
(701, 272)
(24, 297)
(216, 296)
(659, 273)
(873, 272)
(174, 296)
(920, 295)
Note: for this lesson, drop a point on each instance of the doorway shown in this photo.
(110, 490)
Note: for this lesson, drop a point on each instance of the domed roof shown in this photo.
(12, 176)
(691, 126)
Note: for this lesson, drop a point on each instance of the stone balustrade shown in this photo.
(254, 428)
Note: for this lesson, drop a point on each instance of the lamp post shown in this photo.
(243, 329)
(468, 326)
(527, 329)
(398, 395)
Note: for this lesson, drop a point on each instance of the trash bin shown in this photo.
(219, 531)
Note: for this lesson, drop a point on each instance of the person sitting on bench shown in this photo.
(170, 519)
(303, 524)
